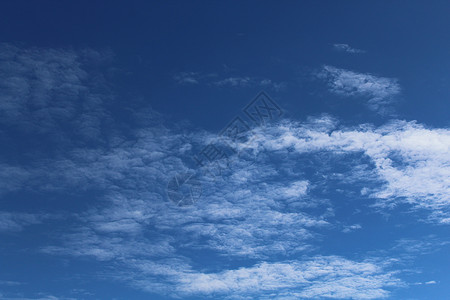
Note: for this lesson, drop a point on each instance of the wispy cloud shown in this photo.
(189, 78)
(351, 228)
(320, 276)
(234, 81)
(39, 296)
(347, 48)
(9, 283)
(214, 79)
(379, 92)
(425, 245)
(250, 82)
(14, 222)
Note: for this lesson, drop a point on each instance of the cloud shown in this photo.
(234, 81)
(187, 77)
(379, 92)
(39, 296)
(320, 276)
(252, 215)
(13, 177)
(425, 245)
(235, 217)
(410, 161)
(15, 222)
(347, 48)
(9, 283)
(250, 82)
(250, 212)
(277, 86)
(195, 78)
(109, 246)
(52, 91)
(351, 228)
(266, 212)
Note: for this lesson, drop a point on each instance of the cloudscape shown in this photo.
(224, 150)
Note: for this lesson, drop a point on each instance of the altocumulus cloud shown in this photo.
(42, 89)
(410, 159)
(254, 215)
(269, 212)
(319, 276)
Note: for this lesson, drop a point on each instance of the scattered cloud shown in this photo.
(194, 78)
(14, 222)
(234, 81)
(250, 82)
(39, 296)
(347, 48)
(251, 212)
(425, 245)
(426, 283)
(351, 228)
(52, 91)
(410, 160)
(320, 276)
(9, 283)
(379, 92)
(186, 78)
(268, 212)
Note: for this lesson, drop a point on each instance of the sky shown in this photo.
(224, 150)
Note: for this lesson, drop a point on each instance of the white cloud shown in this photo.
(320, 276)
(250, 213)
(410, 159)
(194, 78)
(347, 48)
(351, 228)
(234, 81)
(39, 296)
(187, 77)
(277, 86)
(425, 245)
(296, 189)
(250, 82)
(9, 283)
(377, 91)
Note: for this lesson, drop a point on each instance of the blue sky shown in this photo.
(334, 185)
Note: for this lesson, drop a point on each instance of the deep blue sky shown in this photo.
(104, 103)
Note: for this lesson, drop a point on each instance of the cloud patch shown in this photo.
(410, 160)
(321, 276)
(347, 48)
(53, 91)
(378, 92)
